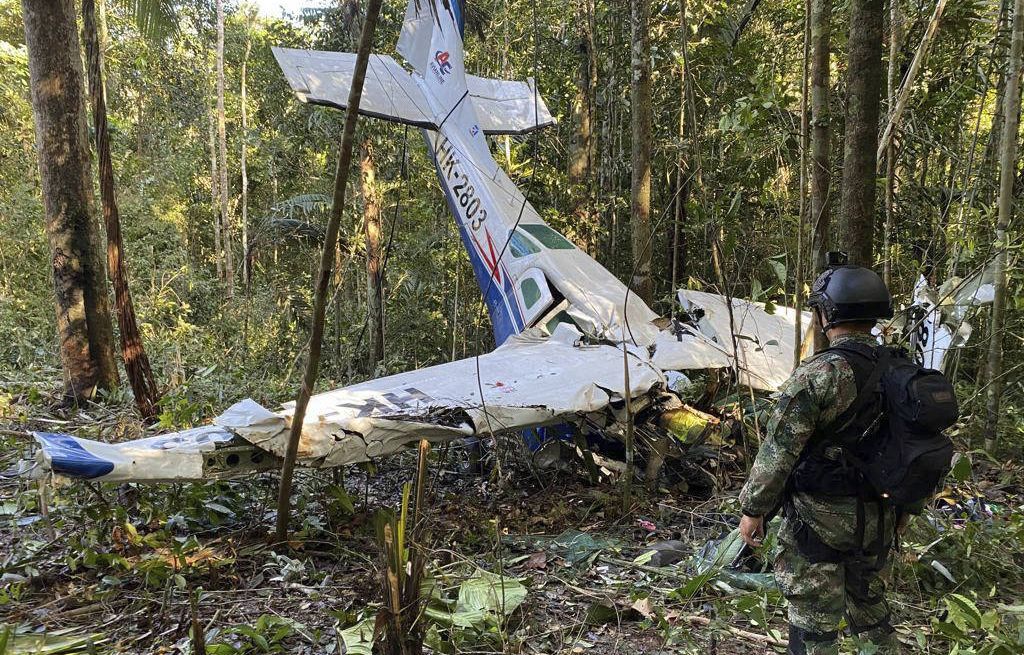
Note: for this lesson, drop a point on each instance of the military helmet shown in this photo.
(850, 294)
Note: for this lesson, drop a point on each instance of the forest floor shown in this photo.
(123, 565)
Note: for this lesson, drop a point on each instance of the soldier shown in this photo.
(832, 544)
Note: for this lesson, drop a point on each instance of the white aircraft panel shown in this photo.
(324, 78)
(765, 341)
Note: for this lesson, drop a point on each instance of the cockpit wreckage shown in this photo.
(573, 345)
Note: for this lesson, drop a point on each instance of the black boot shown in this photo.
(796, 641)
(798, 638)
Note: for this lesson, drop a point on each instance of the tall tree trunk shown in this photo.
(677, 257)
(863, 98)
(136, 363)
(992, 147)
(1007, 170)
(58, 105)
(895, 40)
(640, 111)
(246, 273)
(374, 271)
(367, 185)
(607, 151)
(222, 148)
(323, 278)
(805, 147)
(218, 251)
(821, 174)
(581, 148)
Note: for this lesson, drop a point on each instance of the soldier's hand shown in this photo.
(752, 530)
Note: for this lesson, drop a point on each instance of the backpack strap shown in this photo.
(867, 364)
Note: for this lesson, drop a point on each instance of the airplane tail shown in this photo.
(530, 275)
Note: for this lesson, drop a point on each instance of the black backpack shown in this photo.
(889, 445)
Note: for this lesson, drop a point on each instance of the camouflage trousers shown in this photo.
(821, 594)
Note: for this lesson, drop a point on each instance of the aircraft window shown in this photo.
(548, 237)
(531, 292)
(560, 317)
(521, 246)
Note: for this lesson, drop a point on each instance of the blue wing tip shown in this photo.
(69, 457)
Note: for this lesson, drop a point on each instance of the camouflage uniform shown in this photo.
(820, 594)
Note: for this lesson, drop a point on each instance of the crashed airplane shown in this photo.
(573, 344)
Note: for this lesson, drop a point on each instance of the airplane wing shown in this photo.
(531, 381)
(764, 342)
(391, 93)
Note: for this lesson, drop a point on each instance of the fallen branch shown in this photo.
(749, 636)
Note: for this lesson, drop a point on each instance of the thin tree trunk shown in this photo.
(323, 278)
(374, 271)
(640, 111)
(1007, 170)
(58, 105)
(677, 261)
(748, 13)
(136, 363)
(896, 110)
(581, 147)
(140, 138)
(222, 148)
(895, 39)
(821, 29)
(246, 273)
(607, 152)
(218, 251)
(863, 97)
(805, 146)
(992, 147)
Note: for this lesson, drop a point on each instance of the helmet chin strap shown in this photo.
(820, 320)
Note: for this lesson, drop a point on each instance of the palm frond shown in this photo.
(304, 205)
(156, 19)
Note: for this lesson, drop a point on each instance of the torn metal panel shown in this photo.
(936, 321)
(764, 342)
(686, 350)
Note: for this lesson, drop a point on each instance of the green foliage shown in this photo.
(970, 631)
(269, 634)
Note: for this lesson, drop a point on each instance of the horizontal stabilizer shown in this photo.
(324, 78)
(508, 107)
(391, 93)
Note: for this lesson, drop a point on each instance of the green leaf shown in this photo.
(963, 613)
(57, 642)
(756, 289)
(962, 469)
(484, 599)
(358, 640)
(220, 509)
(780, 270)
